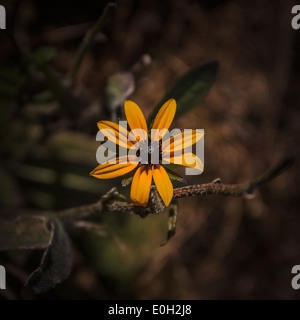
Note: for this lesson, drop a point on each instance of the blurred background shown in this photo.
(224, 248)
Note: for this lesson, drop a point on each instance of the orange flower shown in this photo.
(170, 151)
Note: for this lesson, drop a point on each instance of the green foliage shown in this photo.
(173, 175)
(128, 178)
(11, 80)
(41, 56)
(189, 90)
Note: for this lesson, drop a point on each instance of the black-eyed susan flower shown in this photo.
(140, 142)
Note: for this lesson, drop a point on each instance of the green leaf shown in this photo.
(189, 90)
(56, 262)
(128, 177)
(24, 232)
(173, 175)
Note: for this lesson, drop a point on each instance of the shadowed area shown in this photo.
(224, 247)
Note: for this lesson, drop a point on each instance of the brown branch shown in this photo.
(115, 202)
(90, 210)
(216, 187)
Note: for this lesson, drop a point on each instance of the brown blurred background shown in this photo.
(224, 248)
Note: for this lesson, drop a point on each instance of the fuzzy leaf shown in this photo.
(24, 232)
(56, 262)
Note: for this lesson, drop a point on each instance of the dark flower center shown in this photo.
(150, 152)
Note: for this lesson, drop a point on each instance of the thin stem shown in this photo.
(216, 187)
(87, 41)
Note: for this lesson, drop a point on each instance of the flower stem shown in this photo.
(87, 41)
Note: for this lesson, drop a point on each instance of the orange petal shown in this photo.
(182, 140)
(163, 183)
(115, 133)
(136, 120)
(113, 170)
(163, 119)
(187, 159)
(141, 184)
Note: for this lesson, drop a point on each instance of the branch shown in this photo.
(90, 210)
(216, 187)
(115, 202)
(87, 41)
